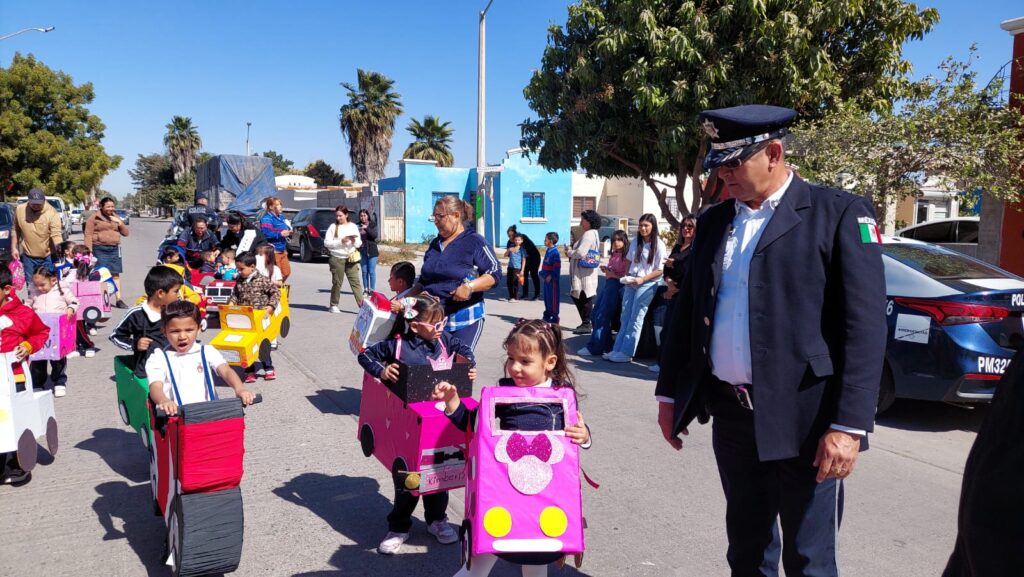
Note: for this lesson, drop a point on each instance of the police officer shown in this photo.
(201, 208)
(779, 334)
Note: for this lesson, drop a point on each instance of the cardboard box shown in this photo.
(416, 383)
(61, 340)
(373, 323)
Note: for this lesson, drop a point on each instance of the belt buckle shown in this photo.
(743, 396)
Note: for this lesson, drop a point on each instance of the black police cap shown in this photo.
(736, 131)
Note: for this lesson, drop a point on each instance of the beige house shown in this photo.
(936, 199)
(629, 197)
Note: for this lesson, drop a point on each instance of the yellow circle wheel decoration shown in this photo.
(553, 521)
(497, 521)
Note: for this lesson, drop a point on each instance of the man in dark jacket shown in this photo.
(779, 334)
(240, 236)
(201, 209)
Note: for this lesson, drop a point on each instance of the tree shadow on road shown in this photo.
(145, 532)
(355, 508)
(913, 415)
(122, 451)
(343, 401)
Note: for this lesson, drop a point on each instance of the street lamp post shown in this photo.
(24, 30)
(247, 126)
(481, 161)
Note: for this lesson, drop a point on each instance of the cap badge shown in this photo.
(709, 128)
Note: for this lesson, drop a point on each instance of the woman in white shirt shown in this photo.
(646, 255)
(342, 241)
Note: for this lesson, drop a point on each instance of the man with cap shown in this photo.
(37, 232)
(779, 335)
(201, 208)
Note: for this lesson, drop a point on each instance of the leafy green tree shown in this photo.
(183, 143)
(281, 164)
(621, 84)
(433, 140)
(367, 122)
(150, 175)
(945, 126)
(324, 174)
(48, 137)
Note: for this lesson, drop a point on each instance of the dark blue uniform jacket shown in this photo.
(817, 321)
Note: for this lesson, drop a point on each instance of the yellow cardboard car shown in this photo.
(246, 333)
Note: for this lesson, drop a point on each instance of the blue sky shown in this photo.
(279, 65)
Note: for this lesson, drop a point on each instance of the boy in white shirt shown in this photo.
(182, 372)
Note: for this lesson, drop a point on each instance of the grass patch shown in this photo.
(389, 257)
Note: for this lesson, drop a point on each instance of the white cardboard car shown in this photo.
(24, 416)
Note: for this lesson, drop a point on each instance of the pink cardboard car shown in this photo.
(93, 300)
(61, 340)
(410, 434)
(523, 487)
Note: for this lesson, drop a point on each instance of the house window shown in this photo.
(581, 203)
(533, 205)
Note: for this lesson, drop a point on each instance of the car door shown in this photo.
(299, 229)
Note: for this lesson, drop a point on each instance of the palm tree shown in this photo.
(183, 143)
(368, 123)
(433, 138)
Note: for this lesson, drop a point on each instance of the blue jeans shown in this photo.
(369, 268)
(31, 263)
(609, 298)
(635, 301)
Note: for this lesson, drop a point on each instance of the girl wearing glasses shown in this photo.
(419, 338)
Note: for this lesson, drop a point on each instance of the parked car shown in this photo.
(62, 209)
(613, 222)
(954, 322)
(6, 224)
(308, 229)
(125, 216)
(76, 217)
(959, 234)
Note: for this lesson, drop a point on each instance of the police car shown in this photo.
(954, 322)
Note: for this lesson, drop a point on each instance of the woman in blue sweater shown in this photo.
(458, 267)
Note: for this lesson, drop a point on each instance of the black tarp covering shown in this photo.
(211, 527)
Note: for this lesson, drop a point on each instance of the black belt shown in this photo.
(742, 394)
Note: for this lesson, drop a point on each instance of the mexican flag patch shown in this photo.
(869, 230)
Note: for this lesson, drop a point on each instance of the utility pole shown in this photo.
(24, 30)
(247, 126)
(481, 117)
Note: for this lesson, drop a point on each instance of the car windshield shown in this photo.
(5, 217)
(54, 203)
(940, 263)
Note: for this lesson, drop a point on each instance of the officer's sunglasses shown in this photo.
(735, 163)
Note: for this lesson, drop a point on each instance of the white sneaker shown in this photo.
(444, 532)
(273, 345)
(584, 352)
(334, 310)
(619, 357)
(72, 355)
(392, 543)
(655, 368)
(90, 353)
(606, 355)
(60, 391)
(93, 331)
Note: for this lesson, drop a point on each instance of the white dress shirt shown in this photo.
(188, 372)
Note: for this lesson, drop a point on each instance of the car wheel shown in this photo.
(886, 391)
(52, 438)
(305, 251)
(92, 314)
(286, 327)
(366, 440)
(175, 536)
(466, 533)
(154, 481)
(27, 448)
(122, 408)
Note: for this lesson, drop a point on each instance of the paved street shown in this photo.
(315, 506)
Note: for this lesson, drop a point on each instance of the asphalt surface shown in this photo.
(315, 506)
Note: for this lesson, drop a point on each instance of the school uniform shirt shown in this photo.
(415, 352)
(515, 259)
(552, 263)
(188, 372)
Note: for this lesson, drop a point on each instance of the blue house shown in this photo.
(525, 194)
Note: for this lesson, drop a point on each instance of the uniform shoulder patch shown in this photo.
(869, 233)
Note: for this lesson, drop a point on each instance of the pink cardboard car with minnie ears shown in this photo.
(523, 487)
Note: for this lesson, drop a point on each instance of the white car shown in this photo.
(76, 216)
